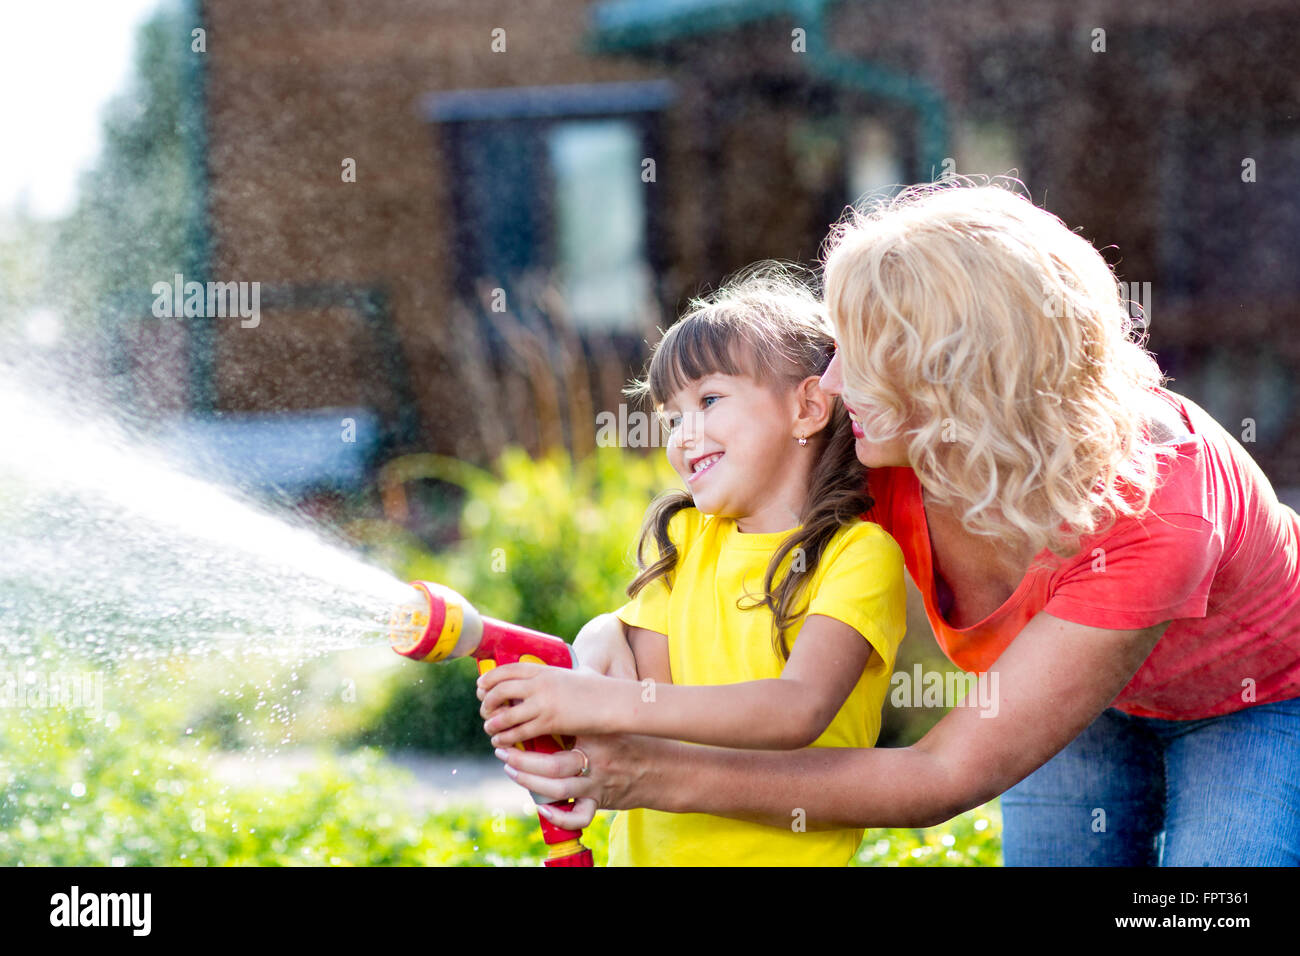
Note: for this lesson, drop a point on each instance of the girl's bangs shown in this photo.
(693, 349)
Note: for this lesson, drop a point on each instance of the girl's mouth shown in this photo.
(703, 465)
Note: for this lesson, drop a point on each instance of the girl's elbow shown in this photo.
(790, 734)
(791, 739)
(806, 731)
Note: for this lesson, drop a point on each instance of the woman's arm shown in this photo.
(602, 646)
(1053, 680)
(524, 701)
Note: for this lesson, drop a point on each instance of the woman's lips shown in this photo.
(853, 420)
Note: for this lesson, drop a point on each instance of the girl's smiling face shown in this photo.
(733, 442)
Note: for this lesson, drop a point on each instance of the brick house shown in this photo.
(631, 153)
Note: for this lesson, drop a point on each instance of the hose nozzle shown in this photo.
(433, 624)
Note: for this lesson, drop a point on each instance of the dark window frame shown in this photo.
(464, 119)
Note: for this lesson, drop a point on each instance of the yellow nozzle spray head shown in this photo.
(428, 626)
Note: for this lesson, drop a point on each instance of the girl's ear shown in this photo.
(812, 407)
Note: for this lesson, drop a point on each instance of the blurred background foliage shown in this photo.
(138, 790)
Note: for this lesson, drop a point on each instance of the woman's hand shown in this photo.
(602, 646)
(618, 765)
(523, 701)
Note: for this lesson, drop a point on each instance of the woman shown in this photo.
(1098, 543)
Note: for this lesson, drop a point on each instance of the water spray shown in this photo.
(437, 624)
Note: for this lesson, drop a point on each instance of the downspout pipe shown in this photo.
(922, 98)
(202, 345)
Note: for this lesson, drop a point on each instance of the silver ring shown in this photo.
(586, 764)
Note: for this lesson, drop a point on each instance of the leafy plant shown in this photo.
(972, 839)
(135, 788)
(79, 792)
(546, 543)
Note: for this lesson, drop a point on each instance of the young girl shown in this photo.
(771, 613)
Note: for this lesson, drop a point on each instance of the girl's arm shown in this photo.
(1053, 681)
(524, 701)
(650, 648)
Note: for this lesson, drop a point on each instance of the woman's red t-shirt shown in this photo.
(1216, 555)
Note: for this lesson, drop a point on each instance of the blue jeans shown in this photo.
(1136, 791)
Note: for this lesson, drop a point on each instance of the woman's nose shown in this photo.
(832, 383)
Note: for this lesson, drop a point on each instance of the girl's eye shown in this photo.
(707, 399)
(673, 421)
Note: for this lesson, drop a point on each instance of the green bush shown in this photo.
(544, 543)
(548, 543)
(431, 707)
(137, 788)
(127, 791)
(972, 839)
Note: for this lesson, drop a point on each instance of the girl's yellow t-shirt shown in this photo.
(859, 580)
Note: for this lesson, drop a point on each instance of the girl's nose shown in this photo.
(687, 430)
(832, 382)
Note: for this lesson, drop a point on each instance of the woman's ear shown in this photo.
(812, 407)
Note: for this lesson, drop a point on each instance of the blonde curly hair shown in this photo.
(994, 341)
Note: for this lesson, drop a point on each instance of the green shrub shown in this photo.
(136, 788)
(972, 839)
(431, 707)
(544, 543)
(131, 792)
(548, 543)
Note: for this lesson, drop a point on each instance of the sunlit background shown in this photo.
(465, 222)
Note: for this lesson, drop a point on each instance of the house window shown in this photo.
(600, 221)
(987, 148)
(875, 162)
(550, 180)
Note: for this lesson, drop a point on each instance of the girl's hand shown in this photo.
(602, 646)
(522, 701)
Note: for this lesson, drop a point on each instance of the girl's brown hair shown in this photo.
(765, 324)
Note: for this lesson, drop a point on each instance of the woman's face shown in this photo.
(890, 454)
